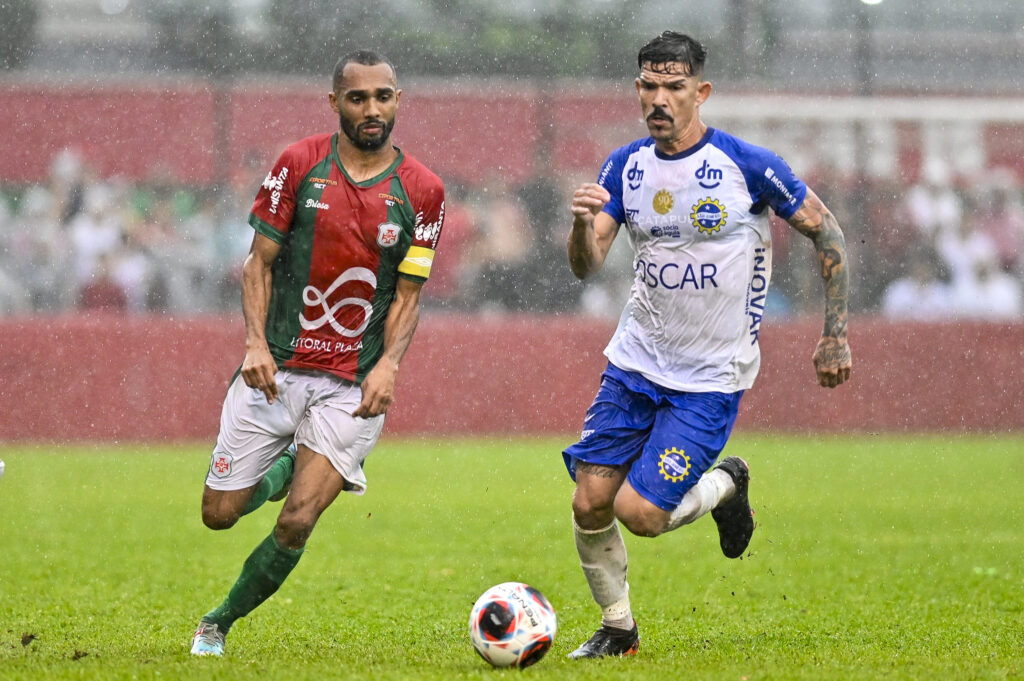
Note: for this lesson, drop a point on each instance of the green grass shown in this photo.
(876, 557)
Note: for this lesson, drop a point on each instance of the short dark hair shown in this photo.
(673, 47)
(364, 57)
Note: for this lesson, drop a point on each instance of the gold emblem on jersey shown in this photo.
(708, 215)
(663, 201)
(674, 464)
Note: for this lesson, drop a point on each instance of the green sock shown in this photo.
(279, 475)
(264, 571)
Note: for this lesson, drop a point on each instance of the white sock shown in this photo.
(603, 559)
(712, 489)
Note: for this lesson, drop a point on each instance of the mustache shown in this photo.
(377, 122)
(658, 111)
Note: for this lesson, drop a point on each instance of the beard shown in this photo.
(363, 141)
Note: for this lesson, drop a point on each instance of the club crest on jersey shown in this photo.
(663, 202)
(387, 234)
(708, 215)
(674, 464)
(221, 465)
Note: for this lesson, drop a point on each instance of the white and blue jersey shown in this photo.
(699, 228)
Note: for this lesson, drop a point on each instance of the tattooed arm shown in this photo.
(832, 359)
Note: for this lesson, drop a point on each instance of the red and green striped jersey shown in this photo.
(343, 246)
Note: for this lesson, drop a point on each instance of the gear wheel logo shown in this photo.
(708, 216)
(674, 464)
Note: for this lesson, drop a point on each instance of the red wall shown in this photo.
(103, 378)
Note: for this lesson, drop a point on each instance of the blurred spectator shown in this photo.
(1001, 217)
(552, 286)
(933, 206)
(95, 232)
(450, 270)
(500, 251)
(920, 295)
(102, 292)
(989, 294)
(40, 253)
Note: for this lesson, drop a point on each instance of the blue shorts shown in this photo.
(668, 438)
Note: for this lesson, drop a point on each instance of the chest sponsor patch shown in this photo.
(708, 215)
(387, 234)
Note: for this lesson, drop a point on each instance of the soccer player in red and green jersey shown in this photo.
(346, 227)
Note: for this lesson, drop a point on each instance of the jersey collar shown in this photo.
(686, 152)
(373, 180)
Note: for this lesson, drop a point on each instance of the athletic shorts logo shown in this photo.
(663, 202)
(387, 234)
(312, 296)
(708, 215)
(674, 464)
(221, 465)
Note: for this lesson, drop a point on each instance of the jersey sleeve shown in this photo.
(428, 202)
(779, 187)
(272, 211)
(611, 179)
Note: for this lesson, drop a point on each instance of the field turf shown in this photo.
(875, 557)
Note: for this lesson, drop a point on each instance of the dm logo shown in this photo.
(674, 464)
(663, 202)
(712, 175)
(708, 215)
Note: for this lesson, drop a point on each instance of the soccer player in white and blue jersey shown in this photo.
(694, 202)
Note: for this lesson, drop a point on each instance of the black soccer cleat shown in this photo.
(609, 641)
(735, 518)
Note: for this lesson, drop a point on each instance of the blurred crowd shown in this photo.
(943, 248)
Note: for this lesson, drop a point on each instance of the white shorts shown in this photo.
(313, 408)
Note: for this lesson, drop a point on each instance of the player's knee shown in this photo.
(219, 519)
(294, 526)
(590, 513)
(642, 521)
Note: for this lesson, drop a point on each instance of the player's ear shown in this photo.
(333, 99)
(703, 91)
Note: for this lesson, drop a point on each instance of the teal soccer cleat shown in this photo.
(208, 640)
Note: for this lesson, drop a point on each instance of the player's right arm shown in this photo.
(593, 230)
(258, 367)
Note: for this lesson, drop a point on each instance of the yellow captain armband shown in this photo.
(417, 262)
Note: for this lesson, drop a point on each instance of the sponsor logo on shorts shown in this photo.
(674, 464)
(221, 465)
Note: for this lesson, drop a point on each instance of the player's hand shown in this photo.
(832, 361)
(378, 390)
(588, 200)
(259, 370)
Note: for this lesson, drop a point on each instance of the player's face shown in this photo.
(366, 104)
(670, 98)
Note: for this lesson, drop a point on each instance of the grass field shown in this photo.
(876, 557)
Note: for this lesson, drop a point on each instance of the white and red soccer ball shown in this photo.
(512, 625)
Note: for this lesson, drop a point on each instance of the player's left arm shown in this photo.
(403, 316)
(832, 358)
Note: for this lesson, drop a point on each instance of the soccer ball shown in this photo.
(512, 625)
